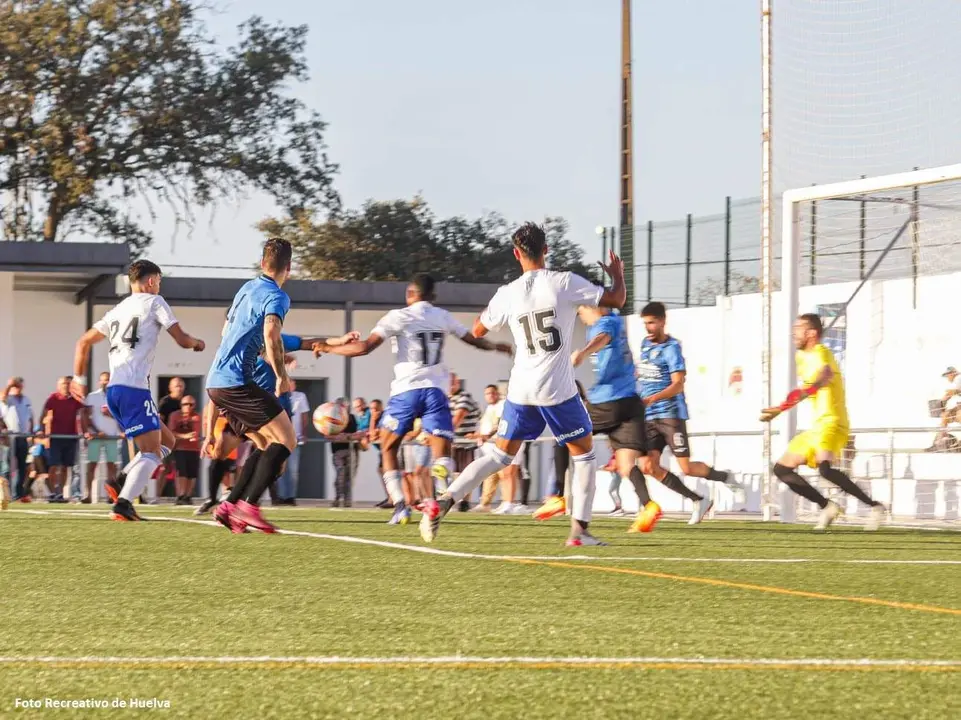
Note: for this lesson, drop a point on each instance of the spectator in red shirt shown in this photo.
(186, 426)
(60, 413)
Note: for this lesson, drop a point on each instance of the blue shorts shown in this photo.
(428, 404)
(134, 409)
(567, 421)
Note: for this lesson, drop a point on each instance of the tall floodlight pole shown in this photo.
(768, 494)
(627, 157)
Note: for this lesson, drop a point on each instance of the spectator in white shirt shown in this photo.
(100, 431)
(951, 408)
(17, 414)
(508, 477)
(300, 412)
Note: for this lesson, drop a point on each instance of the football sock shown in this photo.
(239, 490)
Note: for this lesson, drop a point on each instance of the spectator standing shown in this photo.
(60, 413)
(16, 412)
(169, 404)
(373, 436)
(346, 455)
(185, 424)
(101, 432)
(299, 414)
(466, 416)
(951, 408)
(362, 414)
(4, 468)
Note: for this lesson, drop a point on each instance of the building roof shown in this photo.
(77, 268)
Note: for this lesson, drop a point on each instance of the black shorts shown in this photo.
(188, 463)
(668, 432)
(62, 452)
(462, 455)
(622, 421)
(247, 408)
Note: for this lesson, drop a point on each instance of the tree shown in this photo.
(707, 291)
(106, 100)
(395, 240)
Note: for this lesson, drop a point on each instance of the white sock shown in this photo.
(442, 473)
(474, 474)
(585, 468)
(141, 468)
(395, 490)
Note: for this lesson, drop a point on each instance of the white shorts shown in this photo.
(952, 402)
(416, 456)
(488, 447)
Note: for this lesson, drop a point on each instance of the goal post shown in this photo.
(850, 234)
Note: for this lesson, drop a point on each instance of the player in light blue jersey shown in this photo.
(615, 409)
(253, 326)
(661, 376)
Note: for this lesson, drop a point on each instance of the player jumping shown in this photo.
(662, 374)
(420, 385)
(539, 308)
(824, 443)
(133, 327)
(254, 324)
(615, 408)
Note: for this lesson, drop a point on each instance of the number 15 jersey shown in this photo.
(417, 334)
(133, 327)
(540, 308)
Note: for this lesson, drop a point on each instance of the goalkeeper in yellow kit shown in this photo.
(824, 443)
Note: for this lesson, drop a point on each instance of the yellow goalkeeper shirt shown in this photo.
(830, 407)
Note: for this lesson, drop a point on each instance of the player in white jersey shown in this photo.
(420, 385)
(540, 308)
(133, 328)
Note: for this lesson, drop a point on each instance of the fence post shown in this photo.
(862, 238)
(814, 240)
(650, 260)
(727, 246)
(915, 242)
(687, 263)
(891, 472)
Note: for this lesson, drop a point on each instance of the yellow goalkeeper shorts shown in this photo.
(829, 438)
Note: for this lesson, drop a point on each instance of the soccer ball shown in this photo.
(330, 419)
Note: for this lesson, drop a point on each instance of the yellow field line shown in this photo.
(746, 586)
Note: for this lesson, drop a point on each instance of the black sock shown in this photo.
(269, 467)
(716, 475)
(242, 481)
(562, 460)
(845, 483)
(673, 482)
(799, 485)
(446, 504)
(215, 476)
(581, 526)
(640, 485)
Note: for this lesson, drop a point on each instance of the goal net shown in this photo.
(866, 128)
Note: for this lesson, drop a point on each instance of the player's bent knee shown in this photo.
(783, 472)
(824, 469)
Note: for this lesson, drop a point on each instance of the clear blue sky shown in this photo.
(512, 105)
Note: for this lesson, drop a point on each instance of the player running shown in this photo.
(420, 385)
(823, 444)
(615, 409)
(133, 327)
(223, 442)
(539, 308)
(661, 374)
(254, 324)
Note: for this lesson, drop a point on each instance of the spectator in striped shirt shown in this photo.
(466, 415)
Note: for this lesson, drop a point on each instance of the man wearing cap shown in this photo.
(951, 404)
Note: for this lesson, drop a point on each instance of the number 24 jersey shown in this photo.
(132, 327)
(540, 308)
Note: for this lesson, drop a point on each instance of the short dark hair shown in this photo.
(814, 322)
(140, 270)
(531, 240)
(492, 385)
(655, 310)
(277, 254)
(424, 284)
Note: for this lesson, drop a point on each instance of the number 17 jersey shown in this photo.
(540, 308)
(132, 328)
(417, 333)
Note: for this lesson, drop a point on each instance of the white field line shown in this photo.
(489, 661)
(480, 556)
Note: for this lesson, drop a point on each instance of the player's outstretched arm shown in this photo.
(616, 295)
(355, 348)
(475, 338)
(799, 394)
(78, 386)
(309, 343)
(598, 343)
(274, 352)
(185, 340)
